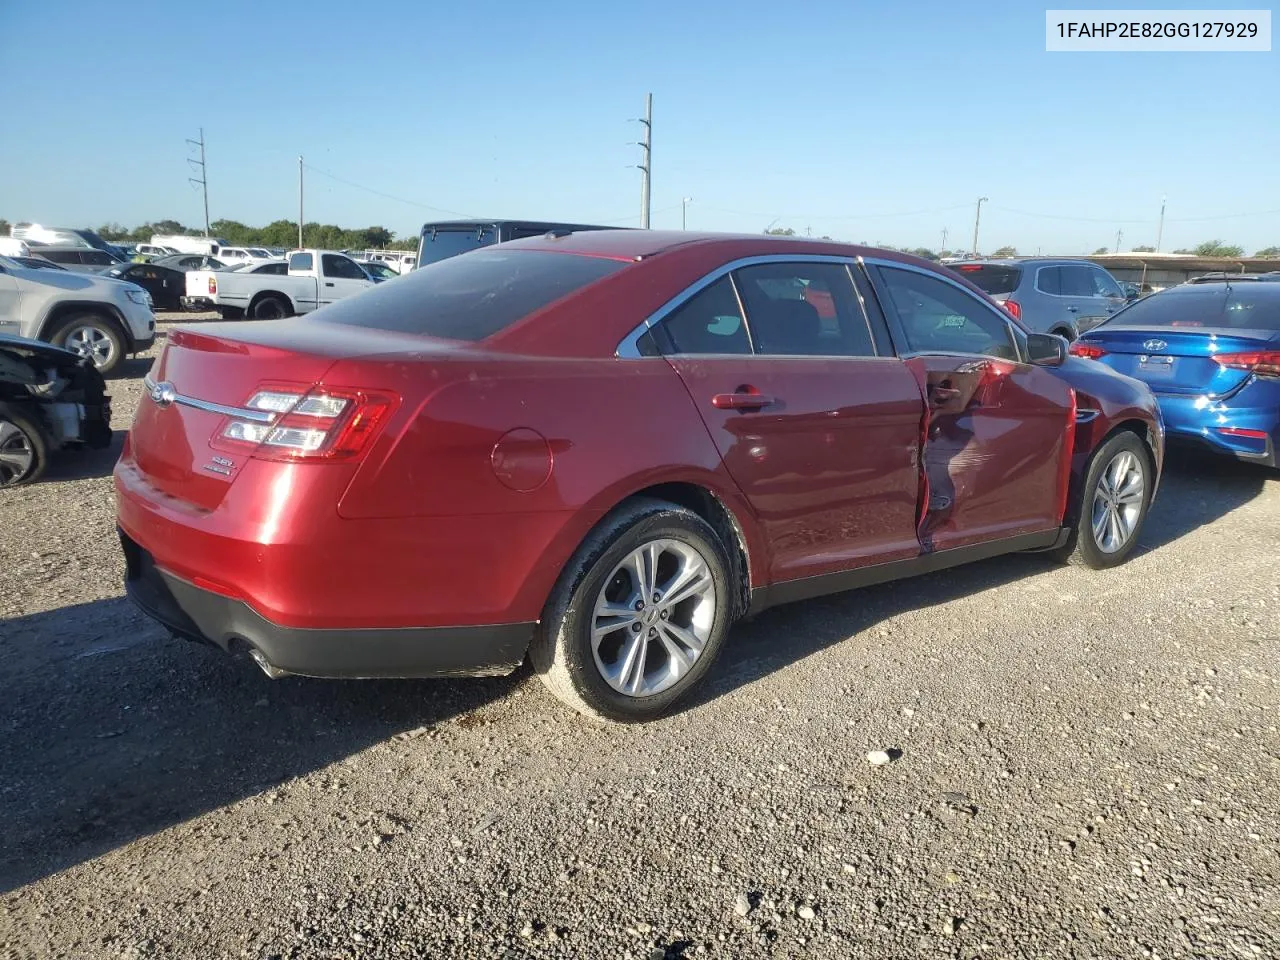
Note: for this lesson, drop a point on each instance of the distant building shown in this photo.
(1155, 271)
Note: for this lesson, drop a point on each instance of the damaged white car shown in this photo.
(50, 399)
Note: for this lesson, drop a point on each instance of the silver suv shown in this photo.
(1060, 296)
(100, 318)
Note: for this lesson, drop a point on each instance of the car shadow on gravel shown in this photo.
(1196, 489)
(85, 463)
(111, 731)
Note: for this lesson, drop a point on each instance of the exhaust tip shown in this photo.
(275, 673)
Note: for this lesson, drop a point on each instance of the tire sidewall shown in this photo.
(573, 624)
(35, 436)
(100, 323)
(1087, 543)
(279, 313)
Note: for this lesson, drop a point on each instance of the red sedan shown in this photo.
(597, 450)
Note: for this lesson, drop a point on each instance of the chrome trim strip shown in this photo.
(628, 348)
(240, 413)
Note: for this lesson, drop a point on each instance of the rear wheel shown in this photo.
(94, 336)
(1114, 501)
(639, 614)
(270, 308)
(24, 452)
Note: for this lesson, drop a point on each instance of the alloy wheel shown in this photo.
(17, 456)
(1117, 501)
(92, 343)
(653, 617)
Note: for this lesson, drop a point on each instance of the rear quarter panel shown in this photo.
(573, 437)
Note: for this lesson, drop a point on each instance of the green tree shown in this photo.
(5, 227)
(1270, 253)
(235, 232)
(112, 231)
(1216, 248)
(780, 232)
(1006, 252)
(1143, 249)
(924, 252)
(1101, 250)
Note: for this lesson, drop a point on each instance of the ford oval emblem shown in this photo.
(163, 394)
(1154, 345)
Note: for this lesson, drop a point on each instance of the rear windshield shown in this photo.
(472, 297)
(994, 279)
(1244, 306)
(439, 245)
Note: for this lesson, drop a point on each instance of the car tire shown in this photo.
(1105, 509)
(589, 664)
(24, 450)
(270, 308)
(94, 336)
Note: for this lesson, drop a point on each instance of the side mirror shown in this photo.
(1046, 349)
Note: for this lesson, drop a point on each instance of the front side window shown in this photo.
(804, 309)
(1104, 285)
(937, 317)
(709, 322)
(341, 267)
(301, 261)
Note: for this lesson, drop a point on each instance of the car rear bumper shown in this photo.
(1246, 427)
(197, 613)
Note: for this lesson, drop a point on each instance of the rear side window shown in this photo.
(1049, 280)
(804, 309)
(709, 322)
(1242, 306)
(442, 244)
(992, 278)
(470, 298)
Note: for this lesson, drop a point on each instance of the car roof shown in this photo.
(623, 244)
(1193, 288)
(1023, 261)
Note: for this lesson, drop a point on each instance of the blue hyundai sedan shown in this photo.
(1210, 352)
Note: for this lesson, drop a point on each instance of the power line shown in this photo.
(381, 193)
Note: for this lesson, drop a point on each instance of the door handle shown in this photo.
(741, 400)
(330, 284)
(1074, 309)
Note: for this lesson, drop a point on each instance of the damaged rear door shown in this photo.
(997, 433)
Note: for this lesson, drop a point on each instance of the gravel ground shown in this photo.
(1084, 765)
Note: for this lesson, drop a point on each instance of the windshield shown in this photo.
(439, 245)
(993, 279)
(1244, 306)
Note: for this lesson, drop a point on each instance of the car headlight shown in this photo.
(139, 296)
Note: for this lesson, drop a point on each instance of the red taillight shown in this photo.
(1015, 308)
(213, 285)
(1264, 363)
(970, 268)
(1090, 351)
(301, 424)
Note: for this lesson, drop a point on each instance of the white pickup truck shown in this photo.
(310, 279)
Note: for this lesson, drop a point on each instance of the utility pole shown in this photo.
(300, 221)
(1119, 237)
(1160, 230)
(945, 231)
(976, 220)
(646, 167)
(684, 202)
(204, 177)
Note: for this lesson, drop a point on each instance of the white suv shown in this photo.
(98, 317)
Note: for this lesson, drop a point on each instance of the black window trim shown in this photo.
(873, 265)
(629, 347)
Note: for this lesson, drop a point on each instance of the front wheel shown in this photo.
(92, 336)
(1115, 497)
(639, 614)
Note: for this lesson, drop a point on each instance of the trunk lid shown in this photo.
(1174, 361)
(205, 374)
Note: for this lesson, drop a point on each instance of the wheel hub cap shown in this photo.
(653, 617)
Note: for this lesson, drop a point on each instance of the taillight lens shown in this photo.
(1264, 363)
(1015, 308)
(213, 285)
(1090, 351)
(322, 423)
